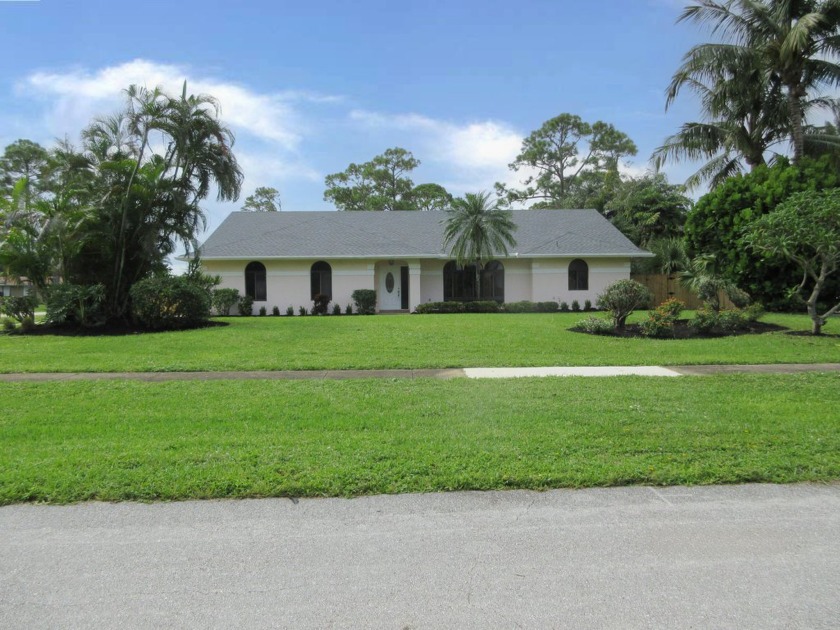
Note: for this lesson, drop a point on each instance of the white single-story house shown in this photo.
(285, 258)
(13, 288)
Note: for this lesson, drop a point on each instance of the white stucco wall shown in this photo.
(551, 278)
(288, 281)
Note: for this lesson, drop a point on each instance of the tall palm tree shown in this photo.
(744, 116)
(156, 161)
(477, 230)
(797, 43)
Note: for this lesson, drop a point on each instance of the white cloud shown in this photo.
(474, 155)
(81, 94)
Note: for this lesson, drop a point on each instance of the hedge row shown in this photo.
(488, 307)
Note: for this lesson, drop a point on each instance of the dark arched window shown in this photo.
(578, 275)
(493, 281)
(459, 282)
(255, 281)
(321, 279)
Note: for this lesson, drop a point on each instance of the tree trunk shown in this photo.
(797, 133)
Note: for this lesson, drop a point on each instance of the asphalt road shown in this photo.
(759, 556)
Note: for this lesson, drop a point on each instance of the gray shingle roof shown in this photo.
(252, 235)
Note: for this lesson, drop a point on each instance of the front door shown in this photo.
(390, 288)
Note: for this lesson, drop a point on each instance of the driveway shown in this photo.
(754, 556)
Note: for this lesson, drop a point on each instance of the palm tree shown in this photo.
(155, 162)
(476, 230)
(744, 116)
(796, 43)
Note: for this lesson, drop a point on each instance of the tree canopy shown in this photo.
(563, 159)
(264, 199)
(715, 225)
(756, 84)
(384, 184)
(805, 229)
(116, 207)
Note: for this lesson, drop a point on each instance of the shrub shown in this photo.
(587, 305)
(246, 306)
(564, 308)
(595, 326)
(275, 312)
(27, 324)
(263, 312)
(365, 300)
(302, 311)
(348, 310)
(336, 310)
(519, 307)
(440, 307)
(8, 324)
(658, 324)
(290, 311)
(623, 297)
(75, 304)
(19, 308)
(320, 303)
(224, 300)
(671, 307)
(169, 302)
(707, 321)
(485, 306)
(575, 306)
(526, 306)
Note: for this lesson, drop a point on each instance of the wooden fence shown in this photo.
(664, 287)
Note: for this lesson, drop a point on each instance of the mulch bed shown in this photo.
(683, 331)
(109, 329)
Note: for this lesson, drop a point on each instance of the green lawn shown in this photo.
(116, 440)
(433, 341)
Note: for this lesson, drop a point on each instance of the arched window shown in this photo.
(493, 281)
(321, 279)
(255, 281)
(578, 275)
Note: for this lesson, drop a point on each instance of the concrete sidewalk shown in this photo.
(752, 556)
(501, 372)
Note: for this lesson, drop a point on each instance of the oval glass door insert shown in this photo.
(389, 282)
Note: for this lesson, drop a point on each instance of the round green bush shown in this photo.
(169, 302)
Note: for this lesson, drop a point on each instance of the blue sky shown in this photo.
(309, 87)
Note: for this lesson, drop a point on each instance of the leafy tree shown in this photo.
(556, 154)
(23, 159)
(477, 230)
(648, 208)
(427, 197)
(715, 225)
(805, 229)
(795, 42)
(381, 184)
(264, 199)
(623, 297)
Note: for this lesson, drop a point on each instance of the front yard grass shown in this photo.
(416, 341)
(123, 440)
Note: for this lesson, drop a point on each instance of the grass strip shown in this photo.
(416, 341)
(120, 440)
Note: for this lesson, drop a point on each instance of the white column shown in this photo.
(413, 284)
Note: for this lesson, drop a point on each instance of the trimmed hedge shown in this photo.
(526, 306)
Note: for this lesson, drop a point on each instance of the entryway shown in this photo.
(393, 287)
